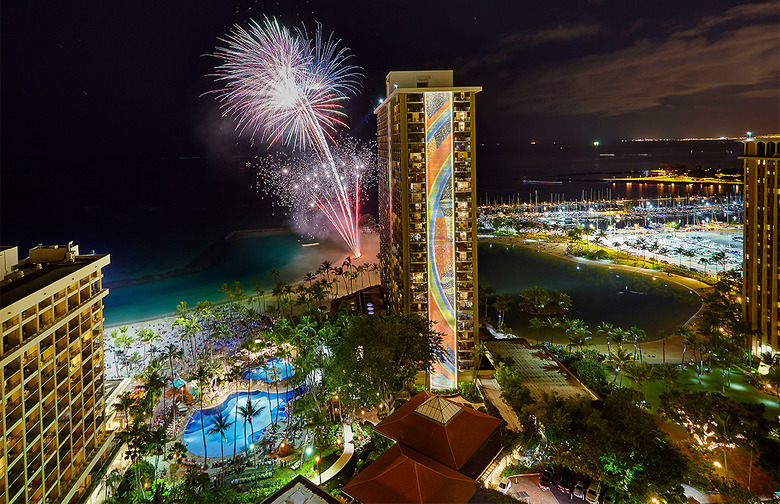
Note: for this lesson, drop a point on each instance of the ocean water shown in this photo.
(501, 169)
(162, 217)
(248, 260)
(598, 294)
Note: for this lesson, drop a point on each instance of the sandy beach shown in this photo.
(163, 325)
(652, 351)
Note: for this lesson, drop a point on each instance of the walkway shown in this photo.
(492, 393)
(349, 449)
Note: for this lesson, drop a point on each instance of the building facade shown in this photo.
(51, 360)
(761, 268)
(427, 210)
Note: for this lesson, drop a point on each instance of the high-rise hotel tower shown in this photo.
(761, 266)
(427, 210)
(53, 422)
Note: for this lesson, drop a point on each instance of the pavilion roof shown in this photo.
(405, 476)
(438, 428)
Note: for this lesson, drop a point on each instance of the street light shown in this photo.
(317, 459)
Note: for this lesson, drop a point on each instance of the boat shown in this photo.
(543, 182)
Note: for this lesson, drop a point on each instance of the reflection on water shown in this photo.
(247, 260)
(599, 294)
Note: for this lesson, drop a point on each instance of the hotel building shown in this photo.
(51, 359)
(427, 210)
(761, 260)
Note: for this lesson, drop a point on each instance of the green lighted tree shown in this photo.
(379, 355)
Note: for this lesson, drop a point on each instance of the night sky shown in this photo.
(117, 88)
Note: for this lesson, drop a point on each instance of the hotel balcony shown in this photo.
(14, 413)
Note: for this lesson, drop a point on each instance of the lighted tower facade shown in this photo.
(53, 426)
(427, 210)
(761, 260)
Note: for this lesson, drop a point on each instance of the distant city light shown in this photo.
(596, 143)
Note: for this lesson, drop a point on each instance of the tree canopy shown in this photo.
(379, 356)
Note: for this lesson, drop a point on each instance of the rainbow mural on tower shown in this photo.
(441, 232)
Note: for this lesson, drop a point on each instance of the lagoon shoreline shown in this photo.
(653, 349)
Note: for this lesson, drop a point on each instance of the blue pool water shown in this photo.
(268, 403)
(273, 371)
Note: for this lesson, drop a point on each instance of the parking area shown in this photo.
(525, 487)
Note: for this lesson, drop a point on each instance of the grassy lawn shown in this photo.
(740, 390)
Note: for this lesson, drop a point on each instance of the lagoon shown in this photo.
(599, 294)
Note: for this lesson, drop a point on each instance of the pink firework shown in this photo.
(288, 88)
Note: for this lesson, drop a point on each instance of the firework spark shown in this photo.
(307, 186)
(289, 88)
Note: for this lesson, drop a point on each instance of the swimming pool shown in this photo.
(274, 370)
(268, 403)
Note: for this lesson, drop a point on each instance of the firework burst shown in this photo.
(309, 187)
(289, 88)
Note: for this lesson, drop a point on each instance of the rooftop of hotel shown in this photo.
(541, 373)
(438, 428)
(44, 266)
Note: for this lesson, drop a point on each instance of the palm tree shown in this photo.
(726, 429)
(220, 425)
(480, 349)
(752, 440)
(618, 359)
(484, 294)
(578, 331)
(259, 293)
(774, 378)
(663, 337)
(234, 375)
(617, 336)
(170, 352)
(202, 375)
(153, 386)
(638, 335)
(326, 267)
(679, 252)
(248, 412)
(503, 304)
(553, 323)
(113, 480)
(639, 372)
(690, 254)
(533, 300)
(123, 403)
(606, 329)
(667, 372)
(719, 258)
(687, 337)
(537, 323)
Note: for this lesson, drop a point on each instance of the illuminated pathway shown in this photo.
(349, 449)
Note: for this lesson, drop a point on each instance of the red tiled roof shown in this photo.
(452, 444)
(404, 476)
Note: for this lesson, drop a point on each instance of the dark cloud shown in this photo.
(561, 33)
(646, 74)
(762, 12)
(510, 44)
